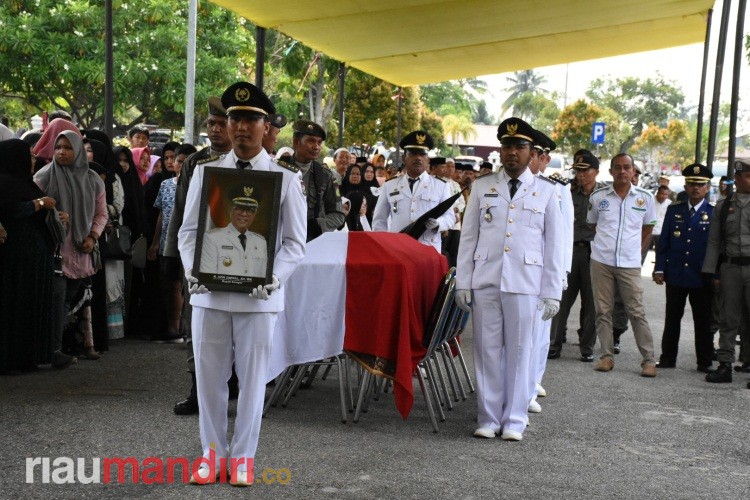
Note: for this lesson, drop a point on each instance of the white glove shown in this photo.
(463, 299)
(262, 292)
(550, 308)
(193, 286)
(565, 282)
(432, 224)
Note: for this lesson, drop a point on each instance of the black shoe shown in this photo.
(743, 368)
(665, 364)
(705, 369)
(553, 354)
(187, 407)
(617, 347)
(587, 358)
(722, 375)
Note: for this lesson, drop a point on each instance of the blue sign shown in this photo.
(597, 133)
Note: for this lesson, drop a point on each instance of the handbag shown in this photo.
(55, 227)
(116, 244)
(138, 253)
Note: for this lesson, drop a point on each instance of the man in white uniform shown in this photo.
(404, 199)
(234, 249)
(510, 266)
(234, 327)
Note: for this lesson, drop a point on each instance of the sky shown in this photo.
(680, 65)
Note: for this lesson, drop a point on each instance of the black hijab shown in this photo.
(355, 203)
(104, 156)
(16, 181)
(133, 213)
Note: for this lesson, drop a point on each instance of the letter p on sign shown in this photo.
(597, 133)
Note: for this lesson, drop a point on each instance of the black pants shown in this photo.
(579, 280)
(700, 303)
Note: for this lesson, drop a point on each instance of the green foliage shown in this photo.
(482, 116)
(671, 145)
(522, 82)
(456, 126)
(638, 102)
(572, 130)
(455, 97)
(52, 55)
(538, 109)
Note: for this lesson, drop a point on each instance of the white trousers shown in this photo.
(221, 338)
(503, 330)
(539, 350)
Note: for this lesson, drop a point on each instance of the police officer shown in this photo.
(234, 249)
(586, 166)
(216, 129)
(404, 199)
(234, 327)
(510, 266)
(324, 212)
(728, 255)
(679, 260)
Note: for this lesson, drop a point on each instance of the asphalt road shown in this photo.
(613, 435)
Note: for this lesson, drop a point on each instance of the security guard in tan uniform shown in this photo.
(728, 257)
(234, 249)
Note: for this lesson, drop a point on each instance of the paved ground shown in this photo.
(611, 435)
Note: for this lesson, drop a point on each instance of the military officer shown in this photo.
(510, 266)
(234, 249)
(324, 211)
(728, 255)
(404, 199)
(679, 259)
(234, 327)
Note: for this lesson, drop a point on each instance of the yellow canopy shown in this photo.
(412, 42)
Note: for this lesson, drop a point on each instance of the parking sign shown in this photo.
(597, 133)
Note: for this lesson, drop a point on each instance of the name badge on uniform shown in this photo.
(491, 195)
(227, 262)
(393, 193)
(678, 216)
(227, 247)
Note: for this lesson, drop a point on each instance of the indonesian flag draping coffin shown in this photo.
(370, 292)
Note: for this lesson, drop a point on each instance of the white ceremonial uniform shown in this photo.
(460, 205)
(542, 337)
(398, 206)
(222, 253)
(234, 327)
(509, 259)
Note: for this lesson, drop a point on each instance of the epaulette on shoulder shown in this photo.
(546, 179)
(646, 191)
(206, 160)
(485, 175)
(559, 179)
(438, 178)
(286, 165)
(677, 203)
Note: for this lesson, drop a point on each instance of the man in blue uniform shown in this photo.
(679, 258)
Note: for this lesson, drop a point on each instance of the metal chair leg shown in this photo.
(447, 357)
(427, 401)
(364, 382)
(435, 364)
(454, 370)
(339, 365)
(463, 365)
(277, 390)
(435, 390)
(296, 381)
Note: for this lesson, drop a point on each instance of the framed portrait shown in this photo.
(236, 238)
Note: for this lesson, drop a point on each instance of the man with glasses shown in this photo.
(679, 258)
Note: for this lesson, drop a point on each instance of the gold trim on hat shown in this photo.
(246, 108)
(696, 178)
(414, 146)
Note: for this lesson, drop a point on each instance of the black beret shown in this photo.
(697, 173)
(306, 127)
(514, 129)
(418, 139)
(246, 97)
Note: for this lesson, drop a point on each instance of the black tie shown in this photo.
(513, 187)
(692, 211)
(242, 165)
(243, 238)
(411, 183)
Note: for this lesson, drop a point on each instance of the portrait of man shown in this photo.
(235, 249)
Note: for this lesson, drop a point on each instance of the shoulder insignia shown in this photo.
(439, 179)
(559, 179)
(286, 165)
(546, 179)
(485, 175)
(209, 159)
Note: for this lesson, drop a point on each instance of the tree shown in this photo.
(52, 55)
(522, 82)
(638, 102)
(536, 108)
(453, 97)
(572, 130)
(651, 145)
(481, 115)
(458, 125)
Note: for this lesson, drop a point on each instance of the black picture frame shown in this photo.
(221, 262)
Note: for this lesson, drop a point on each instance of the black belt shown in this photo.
(581, 243)
(739, 261)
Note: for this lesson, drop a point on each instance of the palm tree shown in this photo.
(522, 82)
(455, 125)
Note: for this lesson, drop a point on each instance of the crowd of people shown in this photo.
(525, 245)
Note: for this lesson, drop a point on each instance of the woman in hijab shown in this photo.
(134, 217)
(79, 191)
(354, 181)
(356, 219)
(26, 260)
(44, 149)
(142, 160)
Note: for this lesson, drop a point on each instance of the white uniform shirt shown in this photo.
(661, 212)
(222, 253)
(460, 205)
(619, 225)
(398, 206)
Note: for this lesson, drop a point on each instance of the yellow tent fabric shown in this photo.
(412, 42)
